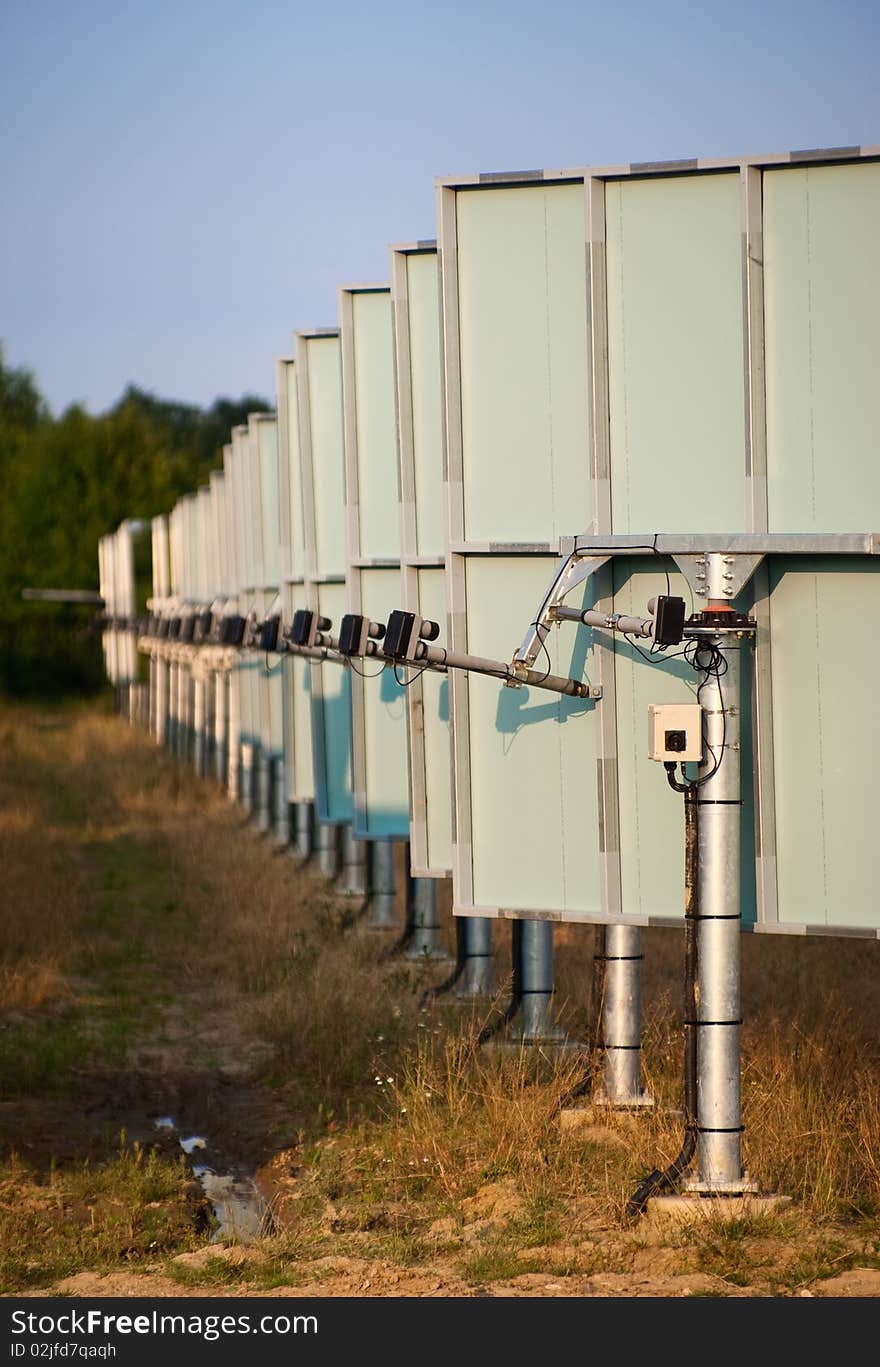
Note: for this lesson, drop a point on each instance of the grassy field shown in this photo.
(158, 957)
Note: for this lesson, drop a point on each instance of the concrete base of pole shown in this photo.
(327, 848)
(691, 1210)
(383, 898)
(355, 857)
(424, 941)
(303, 819)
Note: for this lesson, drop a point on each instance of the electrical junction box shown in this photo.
(675, 732)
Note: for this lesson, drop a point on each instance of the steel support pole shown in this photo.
(151, 707)
(198, 749)
(718, 1017)
(171, 729)
(246, 775)
(304, 827)
(383, 899)
(477, 977)
(621, 1014)
(355, 857)
(280, 806)
(233, 737)
(161, 731)
(184, 710)
(263, 768)
(208, 729)
(536, 976)
(327, 848)
(221, 686)
(424, 940)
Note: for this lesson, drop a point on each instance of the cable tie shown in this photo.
(696, 1023)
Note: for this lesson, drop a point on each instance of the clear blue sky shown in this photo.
(185, 183)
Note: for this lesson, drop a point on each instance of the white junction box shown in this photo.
(675, 731)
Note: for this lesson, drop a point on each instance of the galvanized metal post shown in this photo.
(718, 929)
(184, 710)
(221, 687)
(233, 736)
(246, 775)
(620, 1084)
(263, 766)
(536, 977)
(208, 728)
(280, 805)
(304, 828)
(161, 732)
(198, 749)
(151, 705)
(355, 865)
(327, 848)
(171, 730)
(477, 977)
(424, 940)
(383, 899)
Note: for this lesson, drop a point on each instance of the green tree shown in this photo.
(66, 482)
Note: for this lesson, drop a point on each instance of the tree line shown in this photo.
(64, 483)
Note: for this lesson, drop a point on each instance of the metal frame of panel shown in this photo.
(296, 671)
(321, 452)
(263, 440)
(422, 492)
(380, 777)
(754, 515)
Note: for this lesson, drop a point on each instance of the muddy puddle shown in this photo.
(239, 1208)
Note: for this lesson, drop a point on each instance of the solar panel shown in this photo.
(319, 389)
(418, 373)
(379, 754)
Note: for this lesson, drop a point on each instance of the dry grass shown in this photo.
(133, 892)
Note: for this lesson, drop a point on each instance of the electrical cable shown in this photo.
(408, 683)
(542, 643)
(351, 664)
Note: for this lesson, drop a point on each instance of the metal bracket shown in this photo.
(717, 574)
(572, 570)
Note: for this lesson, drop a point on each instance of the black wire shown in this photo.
(716, 668)
(361, 672)
(541, 642)
(408, 683)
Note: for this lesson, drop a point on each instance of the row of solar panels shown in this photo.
(685, 349)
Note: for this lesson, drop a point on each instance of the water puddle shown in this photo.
(240, 1211)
